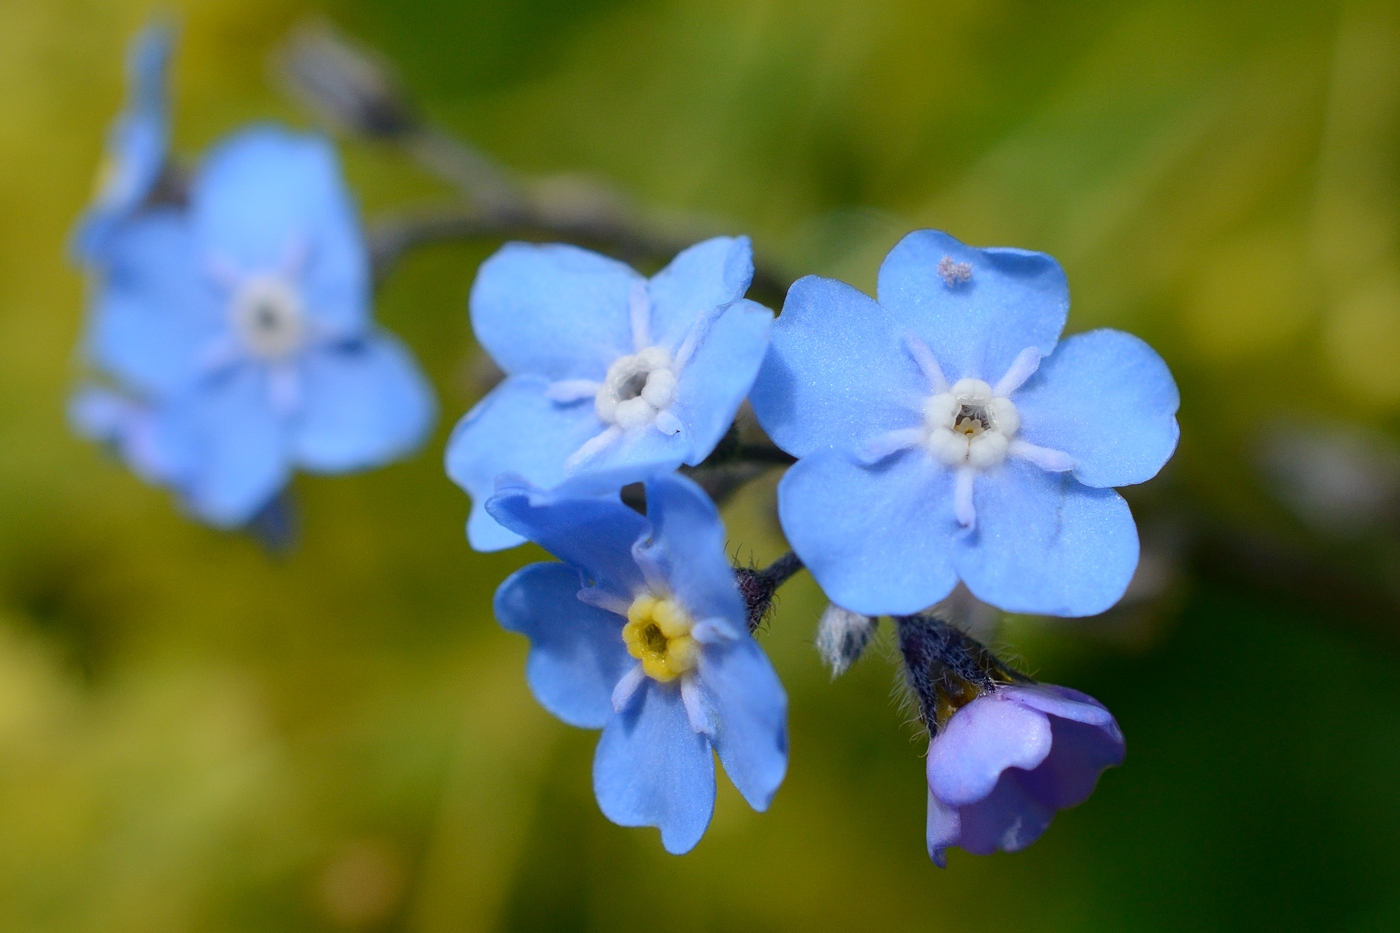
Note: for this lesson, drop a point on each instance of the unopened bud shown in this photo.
(348, 86)
(842, 636)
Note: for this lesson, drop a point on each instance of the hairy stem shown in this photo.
(759, 586)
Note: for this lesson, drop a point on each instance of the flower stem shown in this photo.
(759, 586)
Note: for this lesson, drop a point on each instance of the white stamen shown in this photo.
(937, 382)
(713, 631)
(639, 307)
(668, 423)
(633, 413)
(627, 688)
(987, 450)
(696, 709)
(639, 390)
(661, 388)
(963, 508)
(1022, 368)
(602, 599)
(1052, 461)
(888, 444)
(592, 447)
(567, 391)
(268, 318)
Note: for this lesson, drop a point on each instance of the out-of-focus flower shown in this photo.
(137, 143)
(609, 375)
(1005, 762)
(641, 633)
(240, 329)
(944, 436)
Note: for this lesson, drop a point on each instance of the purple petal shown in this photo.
(981, 741)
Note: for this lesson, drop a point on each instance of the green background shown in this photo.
(196, 736)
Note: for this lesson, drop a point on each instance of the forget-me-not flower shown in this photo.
(642, 633)
(608, 374)
(944, 435)
(239, 328)
(137, 143)
(1005, 762)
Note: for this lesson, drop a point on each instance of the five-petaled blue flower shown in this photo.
(1005, 762)
(609, 375)
(136, 144)
(239, 328)
(642, 632)
(944, 436)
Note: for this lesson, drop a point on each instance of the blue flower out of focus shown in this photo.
(609, 375)
(642, 633)
(944, 435)
(136, 144)
(238, 328)
(1004, 763)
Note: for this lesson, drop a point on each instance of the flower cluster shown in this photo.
(230, 318)
(943, 437)
(945, 448)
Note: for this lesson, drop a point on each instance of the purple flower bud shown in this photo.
(1005, 762)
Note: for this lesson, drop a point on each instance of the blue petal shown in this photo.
(239, 444)
(363, 404)
(751, 708)
(701, 278)
(687, 544)
(879, 540)
(652, 769)
(514, 429)
(555, 311)
(837, 372)
(137, 143)
(1045, 543)
(577, 655)
(593, 534)
(154, 314)
(268, 201)
(1015, 299)
(1108, 400)
(149, 441)
(713, 384)
(638, 454)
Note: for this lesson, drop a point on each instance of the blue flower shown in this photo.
(136, 144)
(610, 376)
(239, 330)
(1005, 762)
(944, 436)
(641, 632)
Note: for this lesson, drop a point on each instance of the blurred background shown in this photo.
(195, 735)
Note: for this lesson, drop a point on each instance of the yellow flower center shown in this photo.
(657, 633)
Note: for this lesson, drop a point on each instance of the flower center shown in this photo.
(268, 317)
(657, 633)
(637, 388)
(970, 425)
